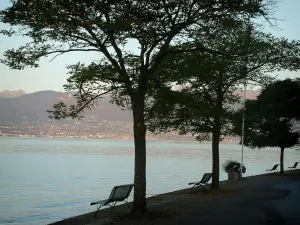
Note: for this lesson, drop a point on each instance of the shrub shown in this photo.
(233, 166)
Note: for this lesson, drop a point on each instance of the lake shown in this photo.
(43, 180)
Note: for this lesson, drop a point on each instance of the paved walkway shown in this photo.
(287, 208)
(258, 200)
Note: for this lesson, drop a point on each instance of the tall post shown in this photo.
(243, 120)
(244, 74)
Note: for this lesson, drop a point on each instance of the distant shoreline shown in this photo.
(119, 139)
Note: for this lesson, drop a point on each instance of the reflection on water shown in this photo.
(43, 180)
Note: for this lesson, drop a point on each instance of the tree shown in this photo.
(203, 106)
(105, 27)
(270, 118)
(276, 104)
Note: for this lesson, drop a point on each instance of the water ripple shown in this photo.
(44, 180)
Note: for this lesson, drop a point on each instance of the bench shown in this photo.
(118, 194)
(294, 166)
(274, 169)
(204, 181)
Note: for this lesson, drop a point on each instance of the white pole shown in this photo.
(243, 126)
(244, 74)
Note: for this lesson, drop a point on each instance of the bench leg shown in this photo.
(112, 207)
(128, 205)
(98, 208)
(203, 186)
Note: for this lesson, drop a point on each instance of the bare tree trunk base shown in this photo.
(137, 214)
(215, 188)
(281, 161)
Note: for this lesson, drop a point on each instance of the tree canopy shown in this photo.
(201, 76)
(105, 27)
(203, 105)
(268, 119)
(281, 99)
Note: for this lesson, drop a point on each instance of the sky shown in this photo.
(53, 75)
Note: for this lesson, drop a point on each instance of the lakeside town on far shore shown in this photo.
(102, 130)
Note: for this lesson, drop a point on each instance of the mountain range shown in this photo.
(22, 114)
(32, 107)
(11, 94)
(17, 106)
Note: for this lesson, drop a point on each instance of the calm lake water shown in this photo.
(44, 180)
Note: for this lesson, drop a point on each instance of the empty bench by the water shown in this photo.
(294, 166)
(204, 181)
(118, 194)
(274, 169)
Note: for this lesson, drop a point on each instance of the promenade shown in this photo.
(257, 200)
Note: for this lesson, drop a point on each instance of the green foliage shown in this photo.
(269, 119)
(105, 27)
(209, 83)
(57, 27)
(233, 166)
(281, 99)
(203, 105)
(264, 128)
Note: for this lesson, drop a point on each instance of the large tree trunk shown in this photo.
(139, 129)
(281, 160)
(215, 154)
(216, 133)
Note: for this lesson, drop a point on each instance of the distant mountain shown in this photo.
(11, 94)
(32, 108)
(27, 115)
(18, 107)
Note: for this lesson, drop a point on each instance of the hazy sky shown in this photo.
(52, 75)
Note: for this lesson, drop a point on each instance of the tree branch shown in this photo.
(199, 48)
(103, 49)
(113, 42)
(241, 77)
(121, 70)
(61, 52)
(159, 57)
(75, 113)
(177, 12)
(84, 39)
(148, 54)
(168, 13)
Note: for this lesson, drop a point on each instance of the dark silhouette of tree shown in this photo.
(281, 99)
(57, 27)
(269, 120)
(203, 106)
